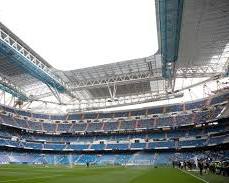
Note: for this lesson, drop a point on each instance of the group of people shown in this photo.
(204, 166)
(184, 164)
(216, 167)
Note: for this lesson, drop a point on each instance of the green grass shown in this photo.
(212, 178)
(61, 174)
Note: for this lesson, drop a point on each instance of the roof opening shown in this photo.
(77, 34)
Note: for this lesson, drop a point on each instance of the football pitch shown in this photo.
(77, 174)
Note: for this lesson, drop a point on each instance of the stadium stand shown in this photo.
(89, 130)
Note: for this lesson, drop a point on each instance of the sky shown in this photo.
(73, 34)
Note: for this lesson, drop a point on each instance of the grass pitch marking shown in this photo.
(15, 180)
(194, 176)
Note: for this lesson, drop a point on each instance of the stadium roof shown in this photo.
(193, 42)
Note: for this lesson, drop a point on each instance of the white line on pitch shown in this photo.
(193, 175)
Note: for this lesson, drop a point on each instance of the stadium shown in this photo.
(161, 118)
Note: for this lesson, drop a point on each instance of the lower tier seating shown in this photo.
(140, 158)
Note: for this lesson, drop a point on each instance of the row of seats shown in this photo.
(171, 134)
(139, 112)
(171, 121)
(102, 159)
(166, 144)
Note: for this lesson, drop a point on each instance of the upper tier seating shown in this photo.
(78, 147)
(184, 119)
(161, 144)
(35, 125)
(40, 116)
(121, 114)
(22, 123)
(49, 127)
(137, 112)
(64, 127)
(157, 135)
(197, 117)
(90, 115)
(138, 146)
(94, 127)
(176, 134)
(54, 146)
(194, 143)
(8, 120)
(23, 113)
(121, 146)
(174, 108)
(98, 147)
(125, 121)
(219, 139)
(145, 124)
(195, 105)
(34, 145)
(74, 117)
(110, 126)
(105, 115)
(155, 110)
(219, 99)
(58, 117)
(127, 125)
(166, 121)
(77, 127)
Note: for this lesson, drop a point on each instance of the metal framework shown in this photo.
(9, 87)
(115, 80)
(122, 101)
(187, 72)
(24, 58)
(193, 40)
(197, 71)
